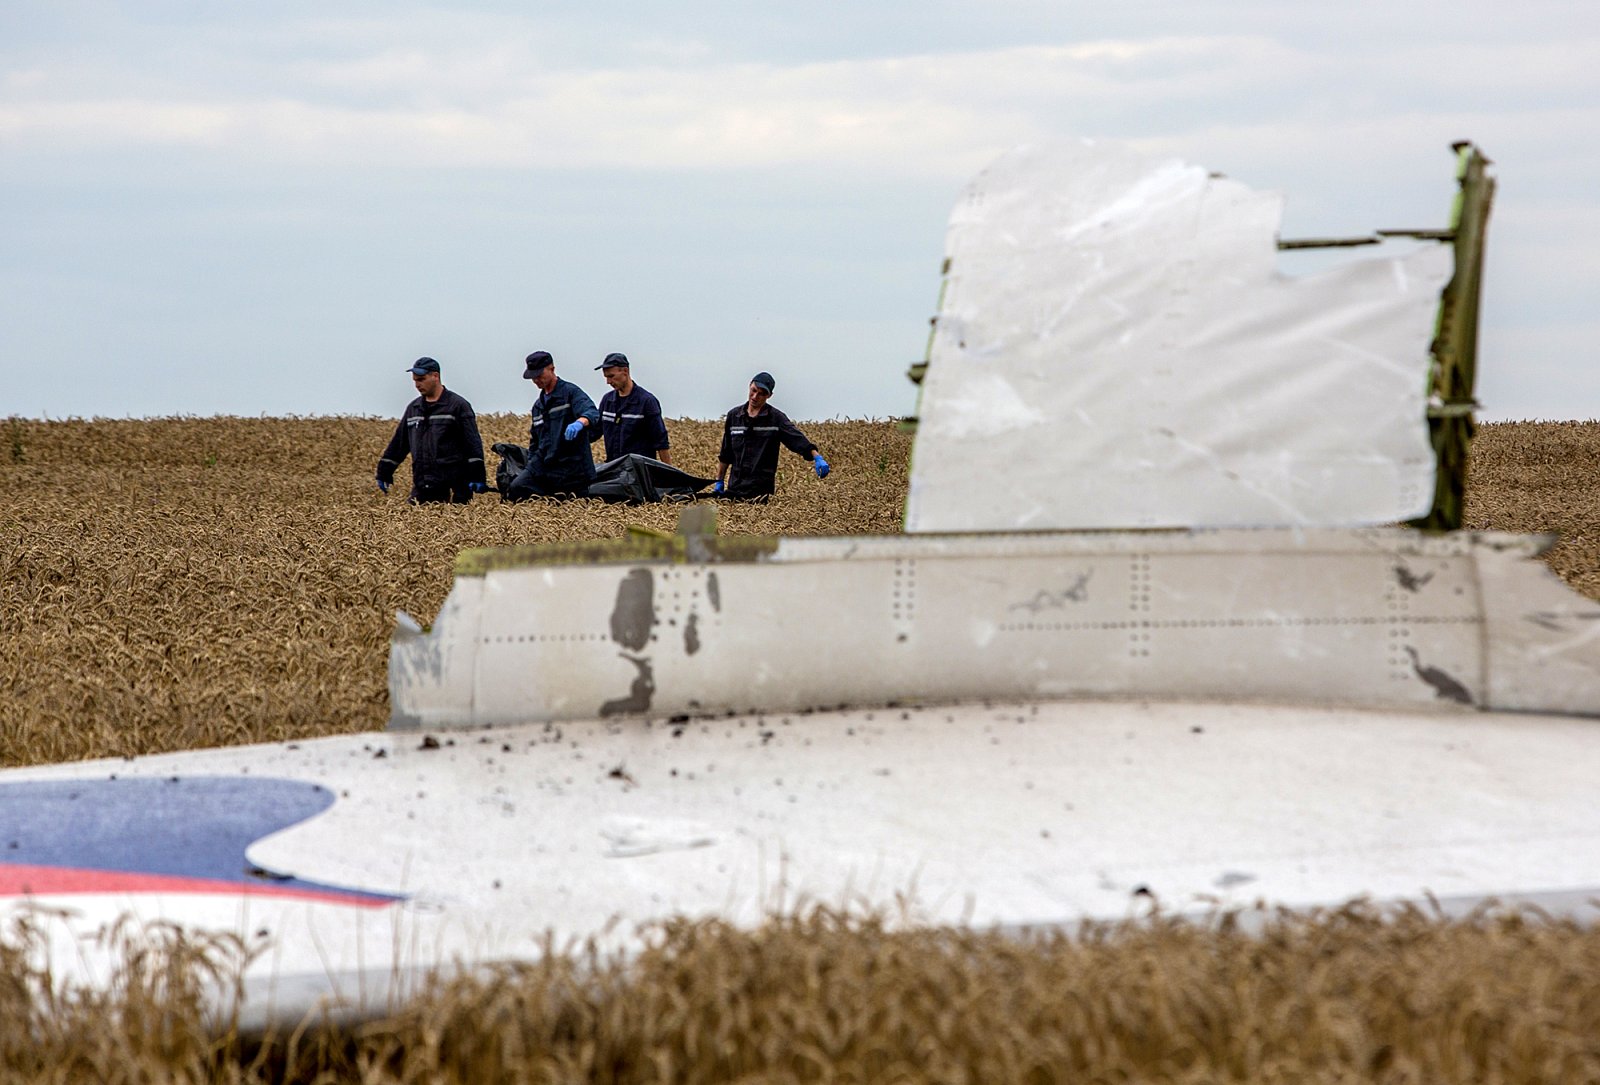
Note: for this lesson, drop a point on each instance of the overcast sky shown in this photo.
(272, 209)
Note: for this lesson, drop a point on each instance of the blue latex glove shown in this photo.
(382, 485)
(716, 487)
(478, 487)
(572, 430)
(821, 466)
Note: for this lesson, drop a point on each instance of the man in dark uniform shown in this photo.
(559, 461)
(440, 432)
(630, 417)
(751, 435)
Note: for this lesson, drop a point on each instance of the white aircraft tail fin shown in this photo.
(1116, 348)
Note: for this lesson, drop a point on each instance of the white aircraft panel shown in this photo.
(1116, 349)
(361, 861)
(1369, 616)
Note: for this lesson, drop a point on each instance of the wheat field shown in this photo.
(200, 582)
(178, 583)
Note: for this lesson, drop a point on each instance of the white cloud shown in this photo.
(502, 103)
(107, 124)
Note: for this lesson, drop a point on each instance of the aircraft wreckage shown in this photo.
(1150, 630)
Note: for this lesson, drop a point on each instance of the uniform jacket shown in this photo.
(632, 424)
(442, 440)
(550, 454)
(750, 448)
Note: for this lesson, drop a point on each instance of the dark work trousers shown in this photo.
(439, 493)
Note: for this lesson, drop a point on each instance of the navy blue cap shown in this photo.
(764, 380)
(423, 365)
(536, 362)
(614, 359)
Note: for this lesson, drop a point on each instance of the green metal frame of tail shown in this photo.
(1455, 342)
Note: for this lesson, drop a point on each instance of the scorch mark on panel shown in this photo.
(1056, 600)
(1444, 684)
(634, 614)
(640, 691)
(1410, 581)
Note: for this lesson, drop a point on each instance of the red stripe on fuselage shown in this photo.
(17, 880)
